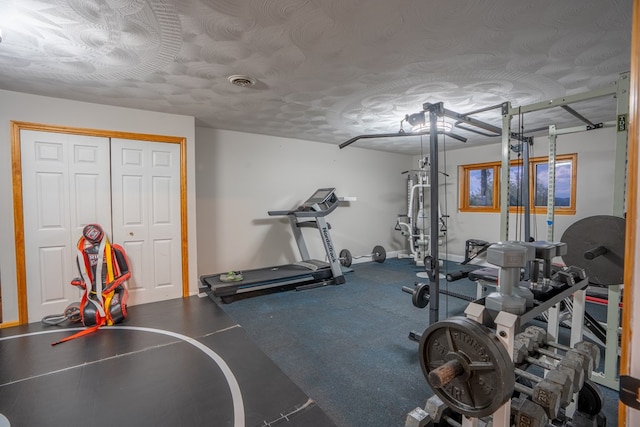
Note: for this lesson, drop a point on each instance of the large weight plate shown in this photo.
(488, 378)
(345, 258)
(590, 400)
(379, 254)
(590, 233)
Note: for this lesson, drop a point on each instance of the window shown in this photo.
(480, 186)
(516, 174)
(565, 191)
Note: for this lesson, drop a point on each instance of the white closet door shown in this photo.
(65, 185)
(146, 216)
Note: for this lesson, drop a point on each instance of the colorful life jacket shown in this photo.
(104, 302)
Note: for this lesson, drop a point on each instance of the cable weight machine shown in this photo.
(414, 225)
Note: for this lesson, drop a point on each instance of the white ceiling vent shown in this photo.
(242, 81)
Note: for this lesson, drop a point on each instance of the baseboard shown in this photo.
(9, 324)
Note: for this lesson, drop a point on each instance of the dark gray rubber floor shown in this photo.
(174, 363)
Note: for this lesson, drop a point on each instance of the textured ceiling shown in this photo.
(326, 70)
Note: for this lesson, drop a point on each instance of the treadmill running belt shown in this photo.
(267, 277)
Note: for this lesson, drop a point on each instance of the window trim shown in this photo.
(464, 174)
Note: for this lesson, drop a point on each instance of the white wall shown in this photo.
(52, 111)
(238, 177)
(241, 176)
(594, 191)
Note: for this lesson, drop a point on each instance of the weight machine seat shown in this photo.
(488, 274)
(477, 242)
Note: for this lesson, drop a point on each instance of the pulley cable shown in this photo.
(535, 187)
(444, 217)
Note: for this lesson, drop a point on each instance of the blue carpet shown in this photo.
(346, 346)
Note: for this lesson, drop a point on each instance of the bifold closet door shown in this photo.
(146, 216)
(131, 188)
(65, 185)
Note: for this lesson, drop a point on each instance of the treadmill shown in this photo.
(307, 273)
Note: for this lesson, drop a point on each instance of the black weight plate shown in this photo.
(420, 296)
(488, 378)
(590, 399)
(379, 254)
(590, 233)
(345, 257)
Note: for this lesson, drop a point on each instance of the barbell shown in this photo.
(378, 254)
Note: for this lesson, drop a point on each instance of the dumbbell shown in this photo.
(583, 346)
(420, 294)
(418, 417)
(571, 367)
(555, 376)
(572, 354)
(583, 356)
(528, 414)
(439, 411)
(546, 393)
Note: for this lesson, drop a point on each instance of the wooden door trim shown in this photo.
(18, 221)
(18, 208)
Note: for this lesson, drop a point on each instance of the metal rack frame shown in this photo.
(507, 325)
(620, 89)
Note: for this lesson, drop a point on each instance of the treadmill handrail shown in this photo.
(316, 214)
(300, 213)
(279, 213)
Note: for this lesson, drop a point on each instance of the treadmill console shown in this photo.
(322, 196)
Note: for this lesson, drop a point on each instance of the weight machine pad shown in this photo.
(488, 274)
